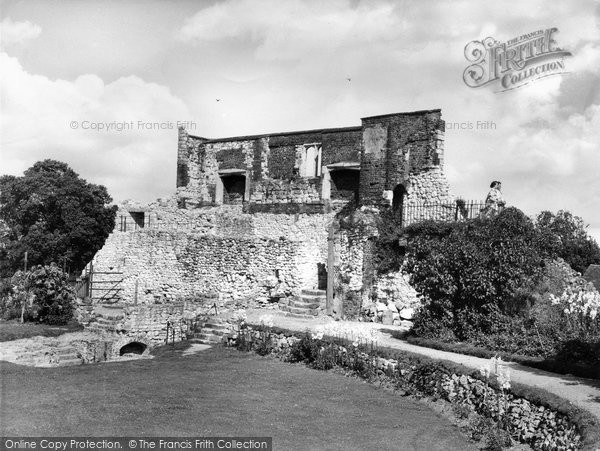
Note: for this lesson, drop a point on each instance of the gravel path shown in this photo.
(584, 393)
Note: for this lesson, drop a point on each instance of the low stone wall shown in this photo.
(539, 426)
(145, 324)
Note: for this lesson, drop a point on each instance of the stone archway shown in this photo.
(134, 347)
(139, 345)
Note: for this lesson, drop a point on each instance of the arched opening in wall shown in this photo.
(135, 347)
(321, 276)
(344, 184)
(399, 195)
(234, 188)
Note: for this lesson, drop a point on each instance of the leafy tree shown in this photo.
(53, 215)
(573, 243)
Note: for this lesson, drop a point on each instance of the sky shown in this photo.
(102, 85)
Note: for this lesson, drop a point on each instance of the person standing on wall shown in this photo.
(494, 202)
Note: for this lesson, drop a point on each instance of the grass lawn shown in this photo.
(218, 392)
(14, 330)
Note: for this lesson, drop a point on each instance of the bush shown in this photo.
(304, 350)
(43, 294)
(264, 346)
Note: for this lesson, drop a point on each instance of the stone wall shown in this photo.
(359, 290)
(397, 149)
(288, 187)
(274, 165)
(216, 249)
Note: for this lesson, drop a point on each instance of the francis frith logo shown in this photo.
(514, 63)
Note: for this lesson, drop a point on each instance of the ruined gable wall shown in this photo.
(402, 149)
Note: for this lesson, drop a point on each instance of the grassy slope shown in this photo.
(218, 392)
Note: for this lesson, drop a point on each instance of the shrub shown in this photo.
(243, 342)
(327, 356)
(43, 293)
(477, 276)
(264, 347)
(304, 350)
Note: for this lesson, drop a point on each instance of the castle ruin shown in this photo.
(255, 223)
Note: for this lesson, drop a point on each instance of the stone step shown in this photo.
(66, 351)
(301, 303)
(298, 315)
(218, 332)
(320, 293)
(316, 299)
(66, 358)
(208, 337)
(301, 311)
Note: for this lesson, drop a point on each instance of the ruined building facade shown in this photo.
(390, 158)
(255, 222)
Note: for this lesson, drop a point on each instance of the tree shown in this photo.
(54, 216)
(573, 244)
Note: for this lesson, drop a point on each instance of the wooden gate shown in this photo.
(100, 286)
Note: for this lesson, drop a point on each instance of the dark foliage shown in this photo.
(42, 294)
(570, 238)
(54, 216)
(474, 273)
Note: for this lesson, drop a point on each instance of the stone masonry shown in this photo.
(255, 219)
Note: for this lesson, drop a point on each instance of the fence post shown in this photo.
(91, 280)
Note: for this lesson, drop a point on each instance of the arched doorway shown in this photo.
(399, 194)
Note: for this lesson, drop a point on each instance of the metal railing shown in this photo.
(448, 212)
(452, 211)
(127, 224)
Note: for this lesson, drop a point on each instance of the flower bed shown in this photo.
(531, 416)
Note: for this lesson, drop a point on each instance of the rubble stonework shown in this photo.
(256, 218)
(225, 251)
(317, 166)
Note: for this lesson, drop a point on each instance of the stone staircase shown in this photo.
(307, 305)
(67, 356)
(60, 356)
(108, 319)
(211, 331)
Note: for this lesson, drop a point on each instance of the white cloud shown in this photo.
(35, 123)
(17, 32)
(293, 29)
